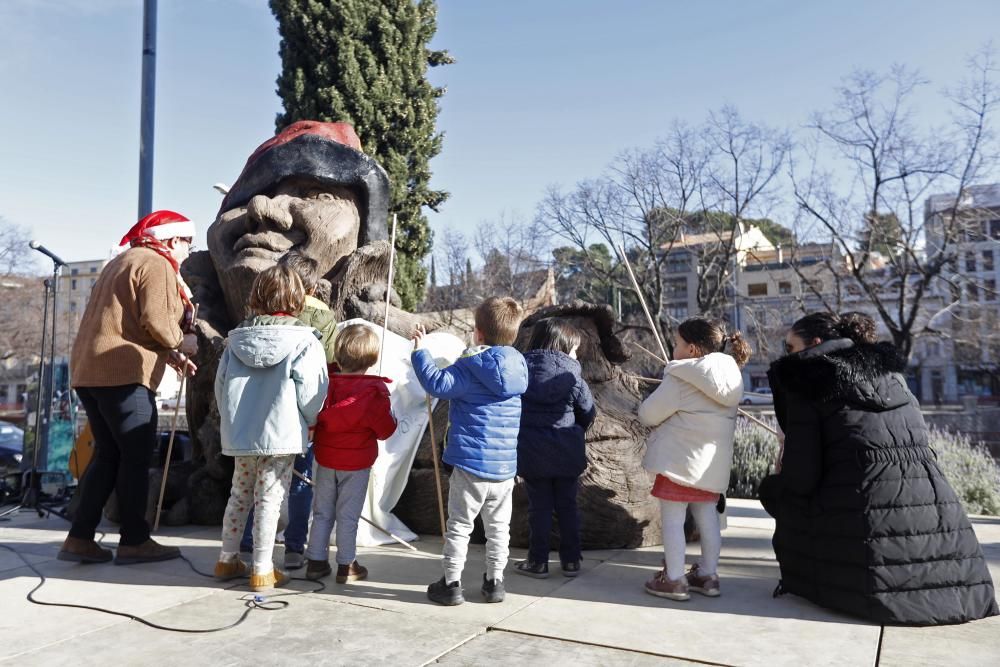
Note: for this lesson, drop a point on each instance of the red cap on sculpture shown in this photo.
(342, 133)
(160, 225)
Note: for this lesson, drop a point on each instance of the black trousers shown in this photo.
(546, 494)
(124, 422)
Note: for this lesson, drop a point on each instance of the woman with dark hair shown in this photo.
(865, 521)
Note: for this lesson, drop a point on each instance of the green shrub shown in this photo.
(970, 469)
(754, 452)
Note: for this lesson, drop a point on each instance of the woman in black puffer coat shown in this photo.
(865, 521)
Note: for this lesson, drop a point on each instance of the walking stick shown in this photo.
(437, 469)
(170, 444)
(642, 302)
(758, 422)
(369, 522)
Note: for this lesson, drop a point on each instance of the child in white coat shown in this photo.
(691, 449)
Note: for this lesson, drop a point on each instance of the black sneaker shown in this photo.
(535, 570)
(448, 594)
(493, 589)
(571, 569)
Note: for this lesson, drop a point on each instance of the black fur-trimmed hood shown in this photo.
(867, 375)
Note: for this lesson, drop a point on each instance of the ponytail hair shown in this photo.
(825, 326)
(709, 336)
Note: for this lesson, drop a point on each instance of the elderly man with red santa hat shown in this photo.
(137, 321)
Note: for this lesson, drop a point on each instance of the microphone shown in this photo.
(35, 245)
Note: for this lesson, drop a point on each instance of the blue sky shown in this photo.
(542, 93)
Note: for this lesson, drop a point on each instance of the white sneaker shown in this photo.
(294, 561)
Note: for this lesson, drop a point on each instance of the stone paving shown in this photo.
(602, 617)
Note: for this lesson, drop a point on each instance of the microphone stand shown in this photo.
(31, 497)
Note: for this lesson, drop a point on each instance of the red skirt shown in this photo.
(665, 488)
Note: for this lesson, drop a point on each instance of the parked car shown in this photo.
(760, 396)
(11, 446)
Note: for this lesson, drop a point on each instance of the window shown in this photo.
(679, 263)
(990, 289)
(92, 281)
(784, 288)
(757, 289)
(22, 394)
(970, 261)
(72, 306)
(678, 311)
(72, 283)
(4, 394)
(972, 291)
(93, 269)
(676, 288)
(73, 272)
(933, 349)
(987, 260)
(995, 229)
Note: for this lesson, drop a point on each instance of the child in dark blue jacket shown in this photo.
(484, 387)
(556, 411)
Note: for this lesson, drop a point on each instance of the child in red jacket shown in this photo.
(355, 417)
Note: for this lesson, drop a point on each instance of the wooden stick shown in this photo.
(642, 302)
(368, 521)
(437, 469)
(758, 422)
(388, 292)
(649, 352)
(170, 444)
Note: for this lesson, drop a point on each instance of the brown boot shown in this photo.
(149, 551)
(268, 581)
(352, 572)
(317, 569)
(231, 569)
(79, 550)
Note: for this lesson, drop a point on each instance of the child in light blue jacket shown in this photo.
(270, 386)
(484, 387)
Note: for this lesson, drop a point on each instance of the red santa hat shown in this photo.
(160, 225)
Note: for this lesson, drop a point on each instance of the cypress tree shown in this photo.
(365, 62)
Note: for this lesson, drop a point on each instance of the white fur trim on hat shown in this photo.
(170, 230)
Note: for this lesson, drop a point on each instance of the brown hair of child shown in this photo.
(277, 289)
(306, 267)
(710, 336)
(498, 319)
(356, 348)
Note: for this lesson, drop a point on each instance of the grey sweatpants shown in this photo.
(338, 497)
(468, 497)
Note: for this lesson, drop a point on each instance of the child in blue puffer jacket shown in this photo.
(556, 412)
(484, 387)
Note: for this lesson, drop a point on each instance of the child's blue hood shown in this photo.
(266, 346)
(500, 368)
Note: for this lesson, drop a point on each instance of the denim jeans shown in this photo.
(300, 495)
(124, 423)
(546, 494)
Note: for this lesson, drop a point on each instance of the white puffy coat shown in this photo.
(694, 412)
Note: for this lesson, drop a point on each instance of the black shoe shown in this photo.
(571, 569)
(444, 593)
(535, 570)
(493, 589)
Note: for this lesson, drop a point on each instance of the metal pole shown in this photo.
(146, 121)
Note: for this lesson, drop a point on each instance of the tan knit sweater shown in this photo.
(131, 322)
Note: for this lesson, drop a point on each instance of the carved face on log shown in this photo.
(304, 215)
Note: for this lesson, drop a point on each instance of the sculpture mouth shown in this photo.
(261, 245)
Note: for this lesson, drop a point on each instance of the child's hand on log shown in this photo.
(418, 335)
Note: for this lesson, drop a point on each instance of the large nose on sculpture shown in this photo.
(267, 213)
